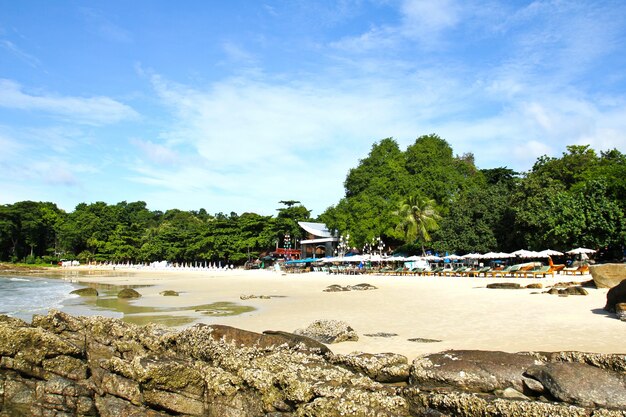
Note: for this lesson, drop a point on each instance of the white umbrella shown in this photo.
(453, 257)
(397, 259)
(414, 258)
(472, 256)
(523, 253)
(433, 258)
(355, 258)
(549, 252)
(376, 258)
(579, 251)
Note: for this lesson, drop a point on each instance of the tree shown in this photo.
(418, 217)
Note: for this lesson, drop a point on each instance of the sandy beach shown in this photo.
(460, 312)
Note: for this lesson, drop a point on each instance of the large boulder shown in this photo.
(608, 275)
(582, 384)
(615, 296)
(473, 370)
(329, 331)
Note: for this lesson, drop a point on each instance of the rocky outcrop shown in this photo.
(169, 293)
(504, 285)
(342, 288)
(616, 295)
(128, 293)
(94, 366)
(86, 292)
(329, 331)
(608, 275)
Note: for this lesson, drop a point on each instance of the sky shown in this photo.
(236, 105)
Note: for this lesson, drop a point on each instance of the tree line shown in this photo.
(427, 197)
(422, 198)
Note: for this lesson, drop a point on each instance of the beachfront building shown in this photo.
(318, 242)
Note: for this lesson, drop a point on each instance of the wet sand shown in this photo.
(460, 312)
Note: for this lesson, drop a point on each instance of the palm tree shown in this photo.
(418, 216)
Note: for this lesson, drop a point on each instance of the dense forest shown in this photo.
(452, 206)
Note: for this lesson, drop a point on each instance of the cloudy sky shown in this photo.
(235, 105)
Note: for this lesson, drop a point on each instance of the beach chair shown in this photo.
(583, 269)
(543, 271)
(509, 270)
(523, 270)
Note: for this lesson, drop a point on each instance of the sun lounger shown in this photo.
(583, 269)
(543, 271)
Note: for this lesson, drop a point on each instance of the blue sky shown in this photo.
(236, 105)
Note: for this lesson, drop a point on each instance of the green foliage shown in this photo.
(414, 198)
(418, 217)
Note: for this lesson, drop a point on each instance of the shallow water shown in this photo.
(23, 297)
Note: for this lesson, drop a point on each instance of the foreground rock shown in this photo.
(94, 366)
(616, 295)
(329, 331)
(608, 275)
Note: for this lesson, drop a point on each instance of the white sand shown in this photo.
(460, 312)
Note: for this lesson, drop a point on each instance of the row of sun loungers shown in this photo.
(512, 271)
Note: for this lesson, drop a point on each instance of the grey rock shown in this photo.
(505, 285)
(475, 370)
(329, 331)
(463, 404)
(381, 334)
(423, 340)
(381, 367)
(582, 384)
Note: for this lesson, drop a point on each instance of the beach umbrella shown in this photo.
(397, 259)
(433, 258)
(376, 258)
(355, 258)
(580, 251)
(453, 257)
(414, 258)
(523, 253)
(472, 256)
(491, 255)
(549, 252)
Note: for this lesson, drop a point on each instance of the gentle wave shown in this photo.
(23, 297)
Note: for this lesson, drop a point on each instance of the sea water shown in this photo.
(22, 297)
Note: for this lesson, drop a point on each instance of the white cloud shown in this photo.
(31, 60)
(157, 153)
(91, 110)
(427, 18)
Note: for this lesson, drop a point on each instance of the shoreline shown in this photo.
(460, 312)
